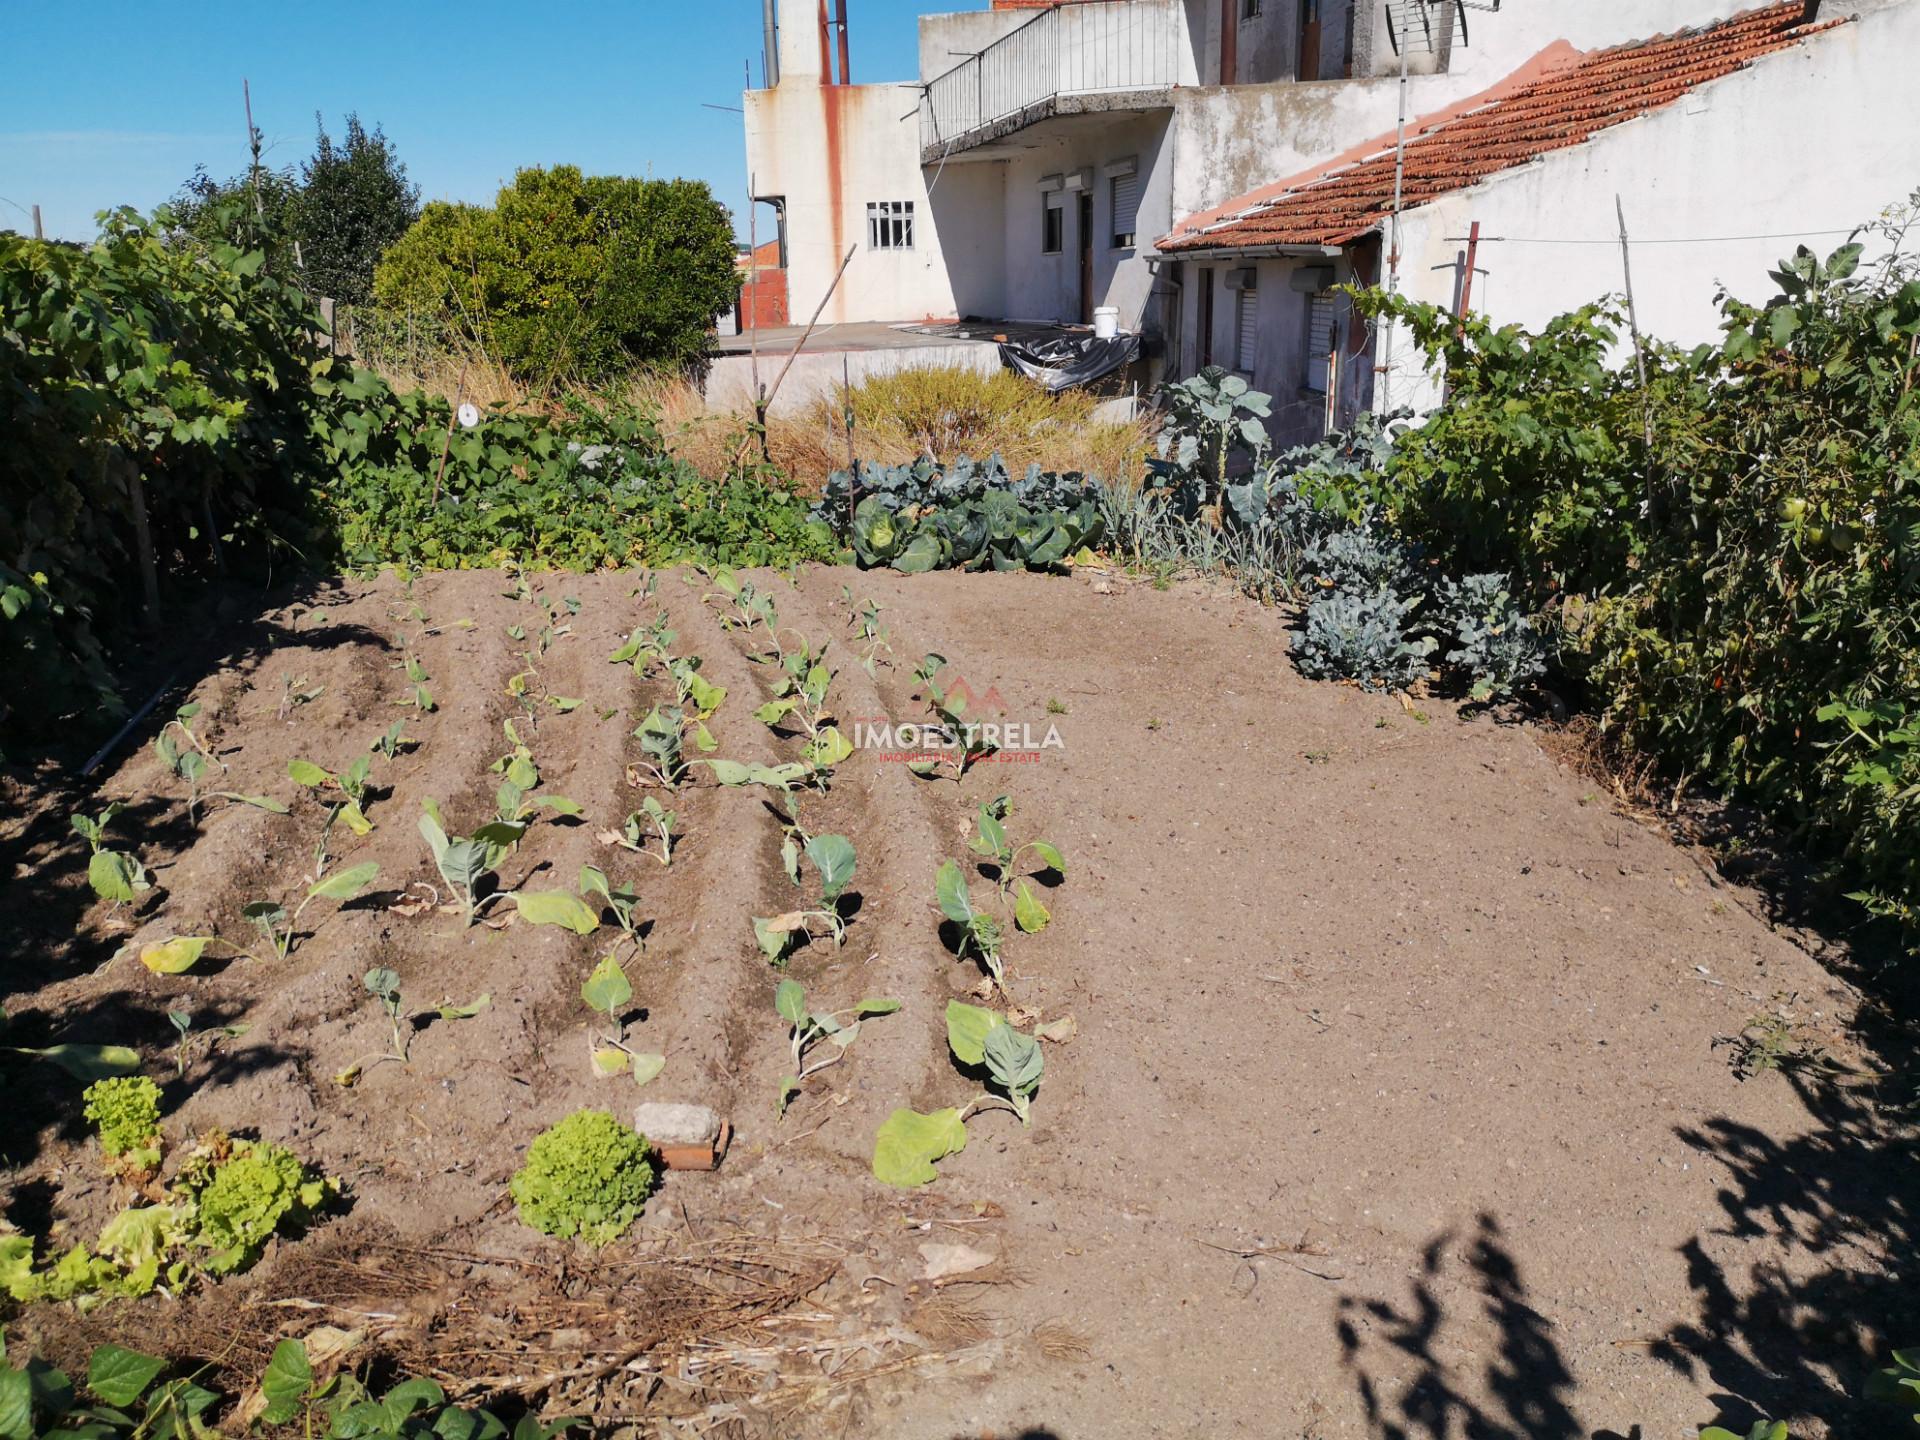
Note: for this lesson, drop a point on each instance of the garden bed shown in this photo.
(1394, 1090)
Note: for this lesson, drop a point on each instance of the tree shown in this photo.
(570, 275)
(200, 212)
(355, 201)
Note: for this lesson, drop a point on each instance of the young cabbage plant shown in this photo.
(188, 762)
(908, 1143)
(344, 796)
(186, 1041)
(865, 618)
(279, 928)
(1004, 857)
(465, 862)
(391, 741)
(981, 934)
(750, 606)
(646, 646)
(607, 992)
(418, 696)
(807, 1028)
(659, 735)
(115, 875)
(833, 857)
(515, 801)
(966, 743)
(622, 903)
(696, 698)
(384, 985)
(646, 831)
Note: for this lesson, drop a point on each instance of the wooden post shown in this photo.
(446, 441)
(765, 399)
(1466, 283)
(38, 233)
(853, 465)
(1639, 351)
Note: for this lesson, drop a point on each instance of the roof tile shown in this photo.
(1553, 105)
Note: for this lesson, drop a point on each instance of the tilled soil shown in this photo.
(1395, 1104)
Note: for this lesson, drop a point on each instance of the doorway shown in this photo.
(1086, 257)
(1309, 47)
(1203, 330)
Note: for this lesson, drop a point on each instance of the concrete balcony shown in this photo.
(1070, 59)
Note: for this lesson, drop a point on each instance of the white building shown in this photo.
(1210, 167)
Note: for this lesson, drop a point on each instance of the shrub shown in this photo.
(125, 1111)
(1498, 646)
(1742, 601)
(587, 1176)
(569, 274)
(355, 201)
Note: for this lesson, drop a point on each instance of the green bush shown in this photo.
(1742, 601)
(570, 275)
(589, 1176)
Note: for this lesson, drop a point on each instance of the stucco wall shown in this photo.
(1040, 286)
(829, 150)
(946, 40)
(1818, 138)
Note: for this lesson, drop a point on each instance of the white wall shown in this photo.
(1818, 138)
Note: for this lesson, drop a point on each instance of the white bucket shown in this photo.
(1106, 321)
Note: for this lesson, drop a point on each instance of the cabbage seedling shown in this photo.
(660, 741)
(115, 875)
(384, 985)
(595, 885)
(646, 831)
(807, 1028)
(981, 1038)
(514, 801)
(967, 741)
(1016, 891)
(750, 606)
(866, 619)
(190, 763)
(607, 992)
(464, 862)
(980, 933)
(278, 928)
(185, 1039)
(390, 742)
(833, 857)
(646, 645)
(418, 696)
(344, 796)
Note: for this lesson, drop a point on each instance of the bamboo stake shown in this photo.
(1639, 354)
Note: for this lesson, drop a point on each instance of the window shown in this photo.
(1249, 9)
(890, 225)
(1321, 340)
(1246, 326)
(1124, 192)
(1203, 288)
(1053, 232)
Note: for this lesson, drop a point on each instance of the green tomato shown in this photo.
(1792, 508)
(1816, 534)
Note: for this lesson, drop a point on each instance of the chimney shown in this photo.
(846, 76)
(770, 41)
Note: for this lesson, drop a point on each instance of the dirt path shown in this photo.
(1394, 1106)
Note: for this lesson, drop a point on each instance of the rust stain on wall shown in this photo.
(833, 123)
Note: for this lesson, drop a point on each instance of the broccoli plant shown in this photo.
(1495, 643)
(807, 1028)
(1214, 420)
(1366, 637)
(982, 1041)
(964, 740)
(115, 875)
(833, 857)
(588, 1176)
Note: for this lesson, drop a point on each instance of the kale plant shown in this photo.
(1497, 645)
(1365, 636)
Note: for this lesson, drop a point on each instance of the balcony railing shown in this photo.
(1069, 49)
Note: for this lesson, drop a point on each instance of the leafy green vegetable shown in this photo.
(587, 1176)
(908, 1143)
(807, 1028)
(125, 1111)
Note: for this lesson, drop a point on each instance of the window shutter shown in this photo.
(1246, 328)
(1126, 208)
(1320, 323)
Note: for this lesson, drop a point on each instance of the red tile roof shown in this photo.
(1559, 98)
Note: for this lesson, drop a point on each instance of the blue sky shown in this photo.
(114, 102)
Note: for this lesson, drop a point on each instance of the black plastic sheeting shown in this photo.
(1070, 360)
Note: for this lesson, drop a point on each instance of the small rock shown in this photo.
(665, 1124)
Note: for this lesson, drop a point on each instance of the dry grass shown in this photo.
(942, 412)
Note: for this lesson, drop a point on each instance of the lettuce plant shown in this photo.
(125, 1111)
(807, 1028)
(588, 1176)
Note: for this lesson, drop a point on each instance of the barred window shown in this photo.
(890, 225)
